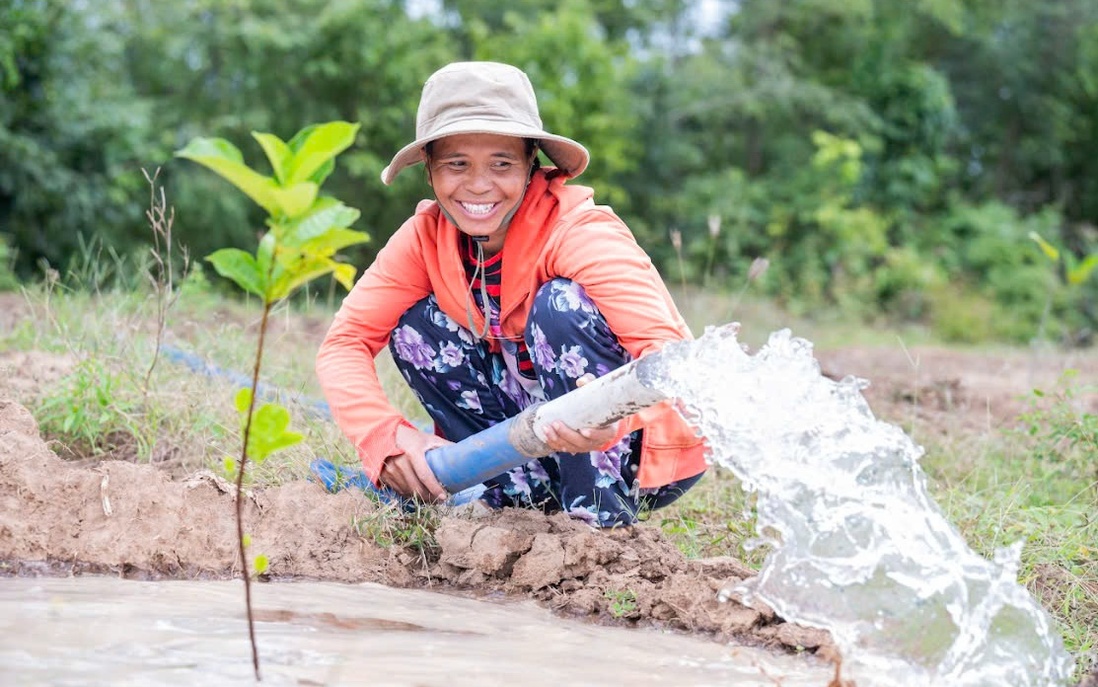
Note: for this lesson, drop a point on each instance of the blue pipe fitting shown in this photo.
(472, 460)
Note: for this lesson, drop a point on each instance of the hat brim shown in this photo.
(571, 157)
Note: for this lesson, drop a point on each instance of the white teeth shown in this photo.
(479, 208)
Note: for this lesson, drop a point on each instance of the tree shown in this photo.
(73, 137)
(229, 68)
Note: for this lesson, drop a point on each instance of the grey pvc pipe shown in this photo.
(619, 394)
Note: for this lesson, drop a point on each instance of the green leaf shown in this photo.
(296, 270)
(325, 169)
(247, 540)
(225, 159)
(278, 153)
(326, 213)
(269, 432)
(319, 176)
(345, 275)
(1047, 248)
(295, 200)
(241, 268)
(300, 137)
(243, 400)
(261, 563)
(332, 241)
(318, 147)
(1081, 272)
(265, 254)
(229, 463)
(272, 418)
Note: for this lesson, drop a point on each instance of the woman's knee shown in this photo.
(561, 306)
(419, 315)
(565, 321)
(420, 334)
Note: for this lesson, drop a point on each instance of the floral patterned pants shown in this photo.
(466, 388)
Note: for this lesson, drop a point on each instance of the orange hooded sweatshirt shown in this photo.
(557, 232)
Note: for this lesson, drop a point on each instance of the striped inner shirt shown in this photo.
(493, 280)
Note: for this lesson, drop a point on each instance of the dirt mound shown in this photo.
(133, 520)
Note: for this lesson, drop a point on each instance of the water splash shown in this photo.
(859, 547)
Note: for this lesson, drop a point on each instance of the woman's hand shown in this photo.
(560, 437)
(408, 473)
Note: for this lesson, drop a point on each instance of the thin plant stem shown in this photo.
(757, 269)
(240, 492)
(676, 243)
(714, 222)
(161, 218)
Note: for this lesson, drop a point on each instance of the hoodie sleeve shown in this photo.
(600, 253)
(345, 364)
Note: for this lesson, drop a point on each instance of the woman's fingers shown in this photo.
(410, 476)
(428, 481)
(563, 438)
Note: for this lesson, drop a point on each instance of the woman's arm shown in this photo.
(361, 328)
(601, 254)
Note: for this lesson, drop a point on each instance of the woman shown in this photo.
(509, 288)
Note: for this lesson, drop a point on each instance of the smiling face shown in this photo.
(478, 179)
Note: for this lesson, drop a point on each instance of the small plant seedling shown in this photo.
(88, 411)
(391, 526)
(1061, 432)
(1073, 272)
(1076, 271)
(623, 602)
(304, 232)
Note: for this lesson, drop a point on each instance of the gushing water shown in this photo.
(859, 547)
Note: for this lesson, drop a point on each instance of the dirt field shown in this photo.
(133, 520)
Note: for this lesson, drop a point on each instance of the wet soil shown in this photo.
(135, 521)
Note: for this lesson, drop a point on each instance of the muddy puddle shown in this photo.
(97, 630)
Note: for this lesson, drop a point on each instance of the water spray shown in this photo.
(858, 546)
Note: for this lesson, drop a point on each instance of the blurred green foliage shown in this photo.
(889, 158)
(8, 282)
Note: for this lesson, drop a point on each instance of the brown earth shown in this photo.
(134, 521)
(955, 392)
(116, 517)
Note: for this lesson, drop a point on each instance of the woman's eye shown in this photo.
(504, 166)
(456, 165)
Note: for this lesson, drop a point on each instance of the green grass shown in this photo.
(1035, 483)
(1010, 489)
(623, 602)
(102, 409)
(391, 526)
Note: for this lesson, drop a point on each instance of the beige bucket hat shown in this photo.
(483, 98)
